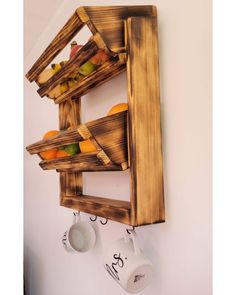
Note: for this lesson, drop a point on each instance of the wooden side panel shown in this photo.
(108, 21)
(108, 208)
(147, 197)
(71, 183)
(71, 28)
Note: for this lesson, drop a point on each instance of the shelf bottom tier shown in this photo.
(116, 210)
(81, 162)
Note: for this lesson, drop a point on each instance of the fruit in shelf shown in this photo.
(86, 146)
(55, 92)
(50, 134)
(48, 73)
(121, 107)
(58, 90)
(45, 76)
(87, 68)
(61, 154)
(49, 154)
(78, 77)
(72, 149)
(62, 63)
(74, 48)
(72, 82)
(64, 87)
(100, 57)
(56, 67)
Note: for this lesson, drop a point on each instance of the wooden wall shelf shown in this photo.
(125, 140)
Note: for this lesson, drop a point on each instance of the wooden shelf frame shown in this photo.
(129, 34)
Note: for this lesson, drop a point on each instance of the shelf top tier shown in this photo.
(105, 22)
(108, 21)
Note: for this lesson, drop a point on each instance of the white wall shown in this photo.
(180, 248)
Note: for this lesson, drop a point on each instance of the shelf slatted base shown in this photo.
(104, 207)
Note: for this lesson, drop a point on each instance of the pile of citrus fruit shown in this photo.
(85, 146)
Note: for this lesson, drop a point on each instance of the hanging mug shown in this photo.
(127, 265)
(80, 237)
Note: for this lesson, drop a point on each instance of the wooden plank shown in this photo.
(110, 133)
(109, 21)
(71, 183)
(147, 197)
(70, 29)
(72, 66)
(63, 185)
(80, 162)
(104, 73)
(64, 138)
(115, 210)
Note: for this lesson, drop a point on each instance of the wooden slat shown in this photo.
(110, 133)
(108, 208)
(108, 21)
(71, 28)
(147, 197)
(71, 183)
(64, 138)
(80, 162)
(104, 73)
(72, 66)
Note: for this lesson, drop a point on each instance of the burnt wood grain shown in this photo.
(70, 29)
(71, 183)
(108, 208)
(147, 196)
(108, 21)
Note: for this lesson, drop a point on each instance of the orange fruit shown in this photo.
(61, 154)
(50, 154)
(100, 57)
(50, 134)
(121, 107)
(87, 146)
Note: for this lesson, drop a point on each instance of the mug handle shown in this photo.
(133, 237)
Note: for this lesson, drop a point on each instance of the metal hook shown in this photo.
(104, 223)
(93, 219)
(128, 230)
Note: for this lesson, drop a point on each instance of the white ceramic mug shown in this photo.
(127, 264)
(80, 237)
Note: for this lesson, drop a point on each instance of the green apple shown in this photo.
(72, 149)
(87, 68)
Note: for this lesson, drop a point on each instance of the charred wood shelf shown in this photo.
(130, 139)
